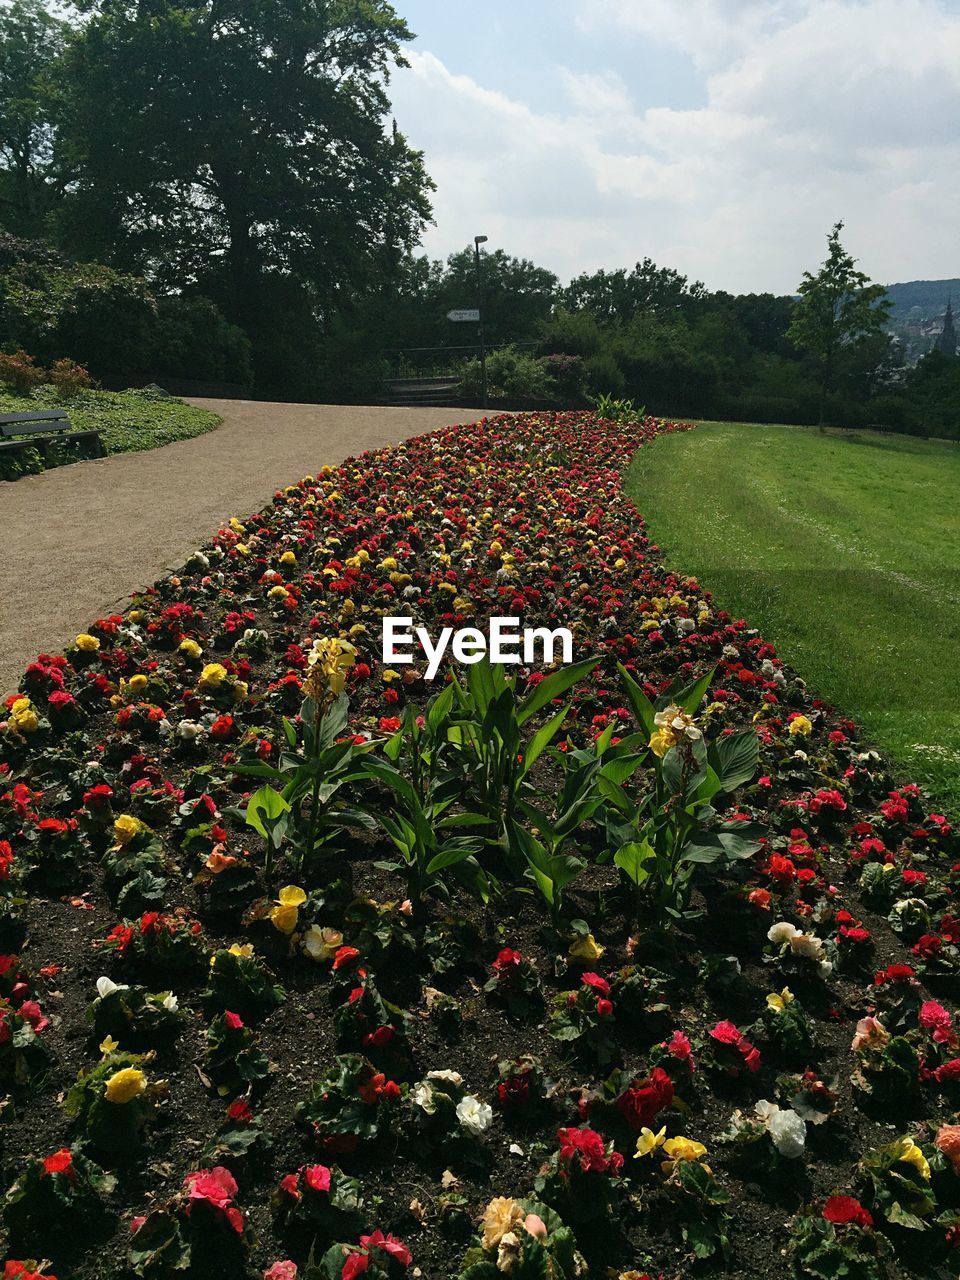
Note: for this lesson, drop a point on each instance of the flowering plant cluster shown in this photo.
(546, 970)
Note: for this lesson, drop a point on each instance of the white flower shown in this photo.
(423, 1097)
(787, 1130)
(807, 945)
(321, 942)
(474, 1115)
(788, 1133)
(189, 730)
(686, 625)
(170, 1002)
(781, 932)
(106, 987)
(448, 1077)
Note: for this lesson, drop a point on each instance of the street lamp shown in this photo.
(477, 242)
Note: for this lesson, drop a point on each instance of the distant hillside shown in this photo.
(929, 295)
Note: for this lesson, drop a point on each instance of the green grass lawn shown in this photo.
(843, 548)
(128, 421)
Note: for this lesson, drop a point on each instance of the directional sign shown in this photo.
(464, 316)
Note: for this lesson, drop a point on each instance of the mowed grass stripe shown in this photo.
(843, 548)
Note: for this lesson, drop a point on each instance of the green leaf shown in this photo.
(554, 686)
(689, 697)
(542, 739)
(264, 810)
(641, 706)
(632, 859)
(735, 758)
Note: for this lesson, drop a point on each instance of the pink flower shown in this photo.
(281, 1271)
(317, 1177)
(870, 1032)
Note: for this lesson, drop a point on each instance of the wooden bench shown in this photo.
(41, 429)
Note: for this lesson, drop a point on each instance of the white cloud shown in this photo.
(815, 110)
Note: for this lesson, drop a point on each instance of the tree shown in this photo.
(621, 295)
(838, 309)
(31, 43)
(246, 139)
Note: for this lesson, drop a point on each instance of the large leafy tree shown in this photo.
(621, 295)
(31, 184)
(839, 311)
(246, 148)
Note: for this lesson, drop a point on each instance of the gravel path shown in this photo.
(76, 542)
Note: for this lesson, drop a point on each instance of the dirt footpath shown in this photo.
(78, 541)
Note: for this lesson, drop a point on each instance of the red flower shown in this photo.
(60, 1162)
(842, 1210)
(378, 1039)
(599, 984)
(642, 1102)
(389, 1245)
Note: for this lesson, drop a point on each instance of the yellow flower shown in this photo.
(242, 949)
(672, 725)
(800, 725)
(240, 691)
(910, 1153)
(284, 915)
(329, 661)
(678, 1149)
(586, 949)
(277, 593)
(125, 1085)
(242, 549)
(649, 1141)
(108, 1045)
(126, 827)
(86, 643)
(24, 717)
(500, 1217)
(389, 564)
(190, 649)
(780, 1002)
(212, 676)
(288, 558)
(137, 683)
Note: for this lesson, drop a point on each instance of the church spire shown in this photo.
(946, 344)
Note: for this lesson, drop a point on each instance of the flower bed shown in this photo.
(634, 964)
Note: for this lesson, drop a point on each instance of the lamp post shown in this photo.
(477, 242)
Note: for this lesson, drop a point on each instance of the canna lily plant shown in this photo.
(661, 840)
(301, 801)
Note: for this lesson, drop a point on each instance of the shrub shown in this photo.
(20, 371)
(69, 378)
(511, 375)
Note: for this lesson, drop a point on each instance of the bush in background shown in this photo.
(20, 372)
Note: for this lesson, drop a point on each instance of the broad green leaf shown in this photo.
(554, 686)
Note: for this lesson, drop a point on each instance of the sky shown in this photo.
(719, 137)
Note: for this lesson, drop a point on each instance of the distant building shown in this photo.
(946, 343)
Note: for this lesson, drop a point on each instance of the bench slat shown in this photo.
(40, 415)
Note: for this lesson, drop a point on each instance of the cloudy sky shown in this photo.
(721, 137)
